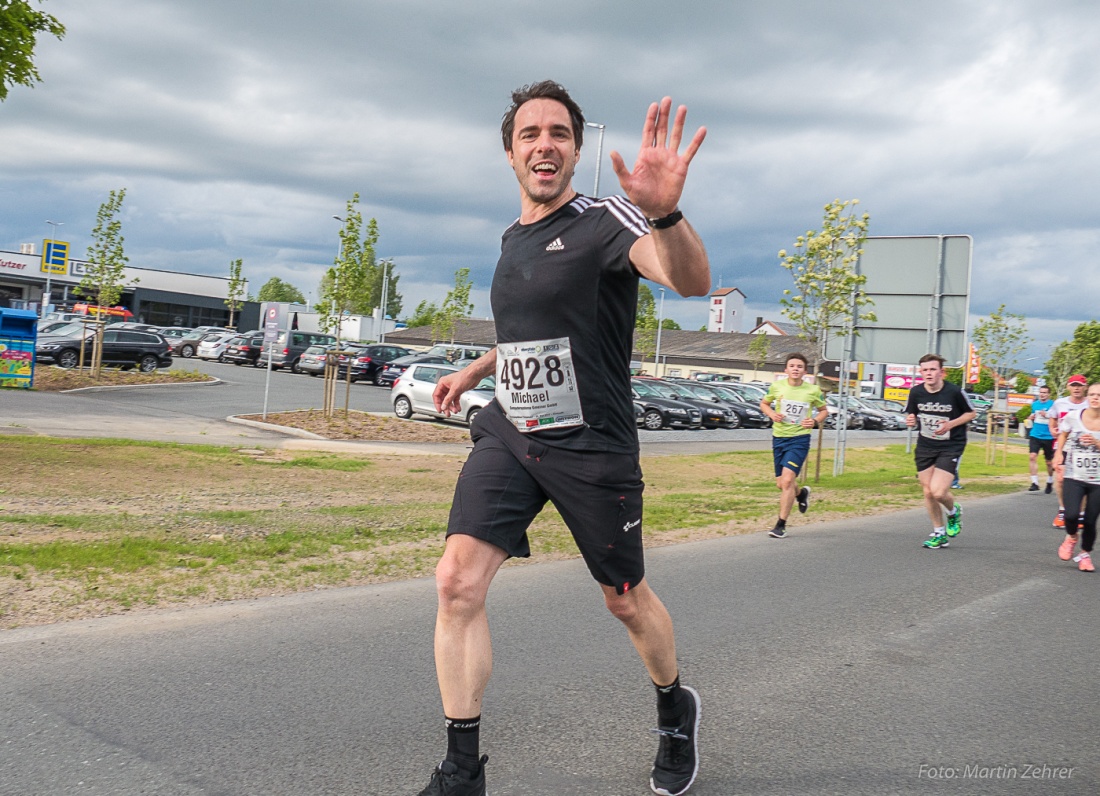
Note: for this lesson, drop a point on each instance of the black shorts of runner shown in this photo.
(509, 476)
(1044, 445)
(941, 458)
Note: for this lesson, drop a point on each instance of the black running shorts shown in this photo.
(509, 476)
(941, 458)
(1045, 445)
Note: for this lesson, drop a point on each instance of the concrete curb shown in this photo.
(290, 432)
(212, 383)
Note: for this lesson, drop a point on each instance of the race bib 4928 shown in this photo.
(537, 386)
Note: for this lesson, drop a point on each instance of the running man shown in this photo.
(561, 428)
(940, 410)
(1040, 440)
(790, 403)
(1074, 402)
(1078, 460)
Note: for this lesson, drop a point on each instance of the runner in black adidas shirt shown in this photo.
(940, 411)
(561, 428)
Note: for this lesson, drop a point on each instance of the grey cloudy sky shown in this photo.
(240, 129)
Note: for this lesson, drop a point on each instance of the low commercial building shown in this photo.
(164, 298)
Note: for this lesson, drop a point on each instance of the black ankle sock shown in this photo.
(670, 702)
(463, 737)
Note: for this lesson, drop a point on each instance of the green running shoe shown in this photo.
(955, 521)
(935, 541)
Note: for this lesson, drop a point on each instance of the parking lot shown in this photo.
(197, 413)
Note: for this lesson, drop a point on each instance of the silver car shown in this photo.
(412, 393)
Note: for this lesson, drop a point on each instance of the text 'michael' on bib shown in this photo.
(537, 386)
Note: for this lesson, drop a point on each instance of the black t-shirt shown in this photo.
(569, 275)
(933, 407)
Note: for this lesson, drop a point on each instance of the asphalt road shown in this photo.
(845, 659)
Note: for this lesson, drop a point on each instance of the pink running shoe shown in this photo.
(1065, 550)
(1084, 563)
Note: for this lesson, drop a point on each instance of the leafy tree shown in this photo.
(759, 349)
(954, 375)
(345, 287)
(828, 294)
(645, 323)
(103, 278)
(669, 325)
(424, 314)
(19, 28)
(1079, 355)
(276, 289)
(235, 290)
(1001, 338)
(456, 305)
(1023, 383)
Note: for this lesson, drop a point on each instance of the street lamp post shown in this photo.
(660, 320)
(46, 296)
(599, 157)
(336, 279)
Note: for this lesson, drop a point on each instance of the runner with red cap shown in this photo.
(1074, 402)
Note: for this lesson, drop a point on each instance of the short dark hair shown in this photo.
(796, 355)
(932, 358)
(546, 89)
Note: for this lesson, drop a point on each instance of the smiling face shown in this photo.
(543, 155)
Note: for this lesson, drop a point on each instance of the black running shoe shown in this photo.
(1033, 488)
(803, 499)
(677, 762)
(449, 780)
(1049, 489)
(778, 532)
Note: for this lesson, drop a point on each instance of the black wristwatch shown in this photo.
(671, 220)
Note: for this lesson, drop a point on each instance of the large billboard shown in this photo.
(920, 286)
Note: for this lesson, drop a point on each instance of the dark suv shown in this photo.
(121, 348)
(368, 361)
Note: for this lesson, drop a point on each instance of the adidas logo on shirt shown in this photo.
(556, 246)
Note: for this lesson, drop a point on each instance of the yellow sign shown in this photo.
(55, 257)
(896, 394)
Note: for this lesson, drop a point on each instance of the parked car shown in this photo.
(639, 414)
(750, 414)
(704, 392)
(244, 350)
(136, 326)
(892, 419)
(393, 370)
(173, 333)
(715, 415)
(213, 345)
(188, 345)
(60, 328)
(855, 418)
(453, 352)
(368, 361)
(288, 348)
(312, 361)
(750, 393)
(121, 348)
(412, 391)
(659, 412)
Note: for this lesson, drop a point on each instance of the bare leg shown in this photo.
(787, 484)
(650, 628)
(463, 649)
(936, 484)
